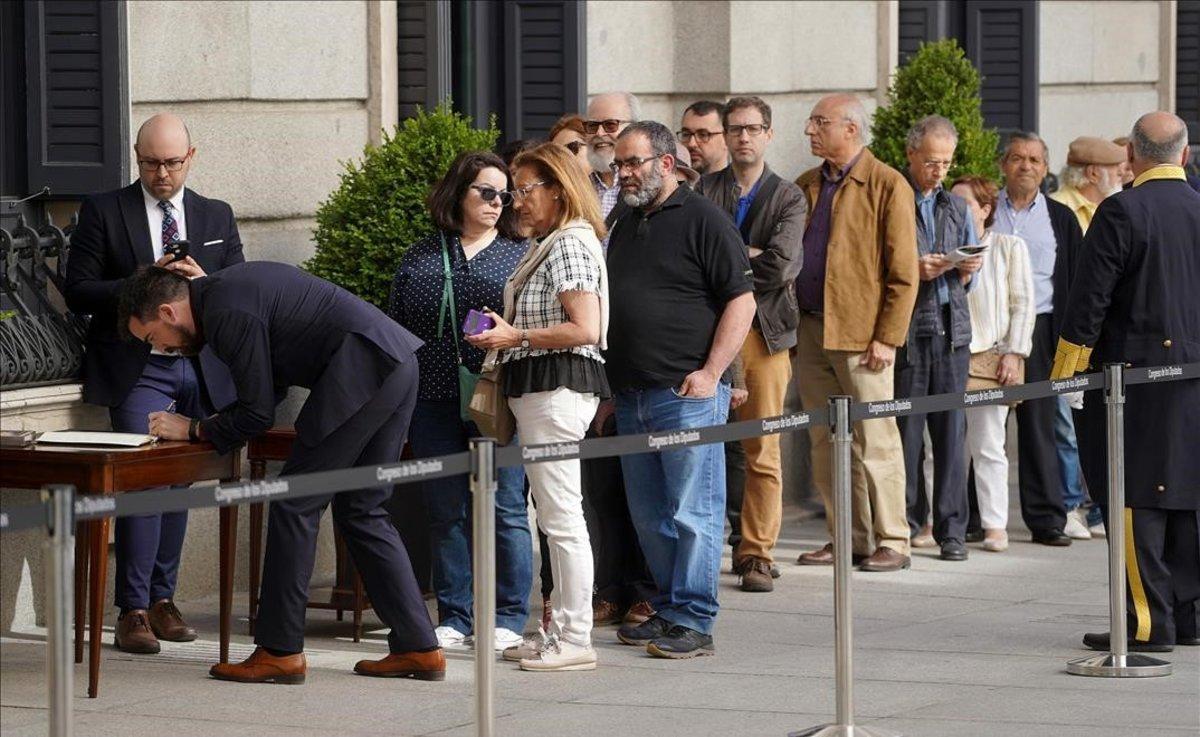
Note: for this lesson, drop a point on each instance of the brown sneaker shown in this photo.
(263, 667)
(168, 624)
(824, 557)
(605, 613)
(885, 560)
(639, 613)
(133, 634)
(426, 666)
(756, 575)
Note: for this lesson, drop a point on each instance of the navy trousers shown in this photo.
(149, 546)
(374, 435)
(930, 365)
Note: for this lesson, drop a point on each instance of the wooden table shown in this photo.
(105, 471)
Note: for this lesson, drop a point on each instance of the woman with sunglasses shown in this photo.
(569, 133)
(463, 266)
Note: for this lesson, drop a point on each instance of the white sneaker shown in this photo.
(557, 655)
(1098, 530)
(506, 638)
(448, 637)
(1076, 527)
(528, 647)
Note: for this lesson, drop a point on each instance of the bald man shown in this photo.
(119, 231)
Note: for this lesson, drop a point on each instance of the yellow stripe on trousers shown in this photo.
(1141, 608)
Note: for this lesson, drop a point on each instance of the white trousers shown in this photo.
(985, 446)
(561, 416)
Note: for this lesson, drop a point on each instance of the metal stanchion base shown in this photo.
(839, 730)
(1107, 665)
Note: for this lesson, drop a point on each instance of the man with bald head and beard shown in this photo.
(118, 231)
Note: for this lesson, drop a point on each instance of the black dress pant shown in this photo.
(374, 435)
(735, 487)
(1041, 486)
(930, 365)
(1163, 576)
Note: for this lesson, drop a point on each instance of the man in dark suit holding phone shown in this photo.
(155, 220)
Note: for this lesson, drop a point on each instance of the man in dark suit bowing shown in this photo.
(276, 327)
(118, 231)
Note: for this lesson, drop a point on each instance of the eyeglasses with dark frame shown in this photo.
(610, 125)
(633, 162)
(703, 136)
(754, 130)
(487, 194)
(575, 146)
(170, 164)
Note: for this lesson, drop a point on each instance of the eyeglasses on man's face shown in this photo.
(633, 162)
(938, 164)
(820, 121)
(754, 130)
(174, 164)
(610, 125)
(703, 136)
(489, 194)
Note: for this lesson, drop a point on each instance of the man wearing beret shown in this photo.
(1093, 172)
(1133, 301)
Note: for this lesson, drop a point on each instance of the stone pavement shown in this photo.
(945, 649)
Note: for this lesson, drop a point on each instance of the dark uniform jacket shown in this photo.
(111, 241)
(277, 327)
(1134, 300)
(777, 227)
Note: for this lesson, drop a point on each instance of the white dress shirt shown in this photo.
(154, 215)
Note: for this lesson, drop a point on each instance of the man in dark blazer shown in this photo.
(1133, 301)
(276, 327)
(118, 231)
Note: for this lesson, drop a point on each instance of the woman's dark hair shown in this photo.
(445, 199)
(142, 293)
(986, 193)
(513, 149)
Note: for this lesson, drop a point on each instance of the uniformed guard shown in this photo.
(1134, 301)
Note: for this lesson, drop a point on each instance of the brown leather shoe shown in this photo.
(426, 666)
(263, 667)
(639, 613)
(755, 575)
(133, 634)
(885, 560)
(824, 557)
(605, 613)
(168, 624)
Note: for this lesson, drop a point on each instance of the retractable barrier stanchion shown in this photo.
(483, 491)
(60, 594)
(1118, 663)
(839, 421)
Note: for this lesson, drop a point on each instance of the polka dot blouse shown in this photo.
(416, 300)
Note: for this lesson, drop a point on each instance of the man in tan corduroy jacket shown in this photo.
(856, 293)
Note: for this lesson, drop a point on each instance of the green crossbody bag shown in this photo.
(466, 378)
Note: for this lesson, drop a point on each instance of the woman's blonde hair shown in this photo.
(558, 168)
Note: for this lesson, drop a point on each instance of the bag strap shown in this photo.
(761, 198)
(448, 299)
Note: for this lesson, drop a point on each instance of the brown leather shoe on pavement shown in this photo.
(885, 560)
(168, 624)
(605, 613)
(755, 575)
(639, 613)
(426, 666)
(133, 634)
(824, 557)
(263, 667)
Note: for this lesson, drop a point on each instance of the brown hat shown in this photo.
(683, 164)
(1091, 150)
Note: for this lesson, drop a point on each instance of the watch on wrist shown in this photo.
(525, 339)
(194, 430)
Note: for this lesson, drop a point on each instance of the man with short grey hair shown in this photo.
(607, 115)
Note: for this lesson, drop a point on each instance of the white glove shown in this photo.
(1074, 399)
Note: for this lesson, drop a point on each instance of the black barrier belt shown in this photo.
(173, 499)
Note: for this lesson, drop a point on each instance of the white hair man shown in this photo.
(1093, 172)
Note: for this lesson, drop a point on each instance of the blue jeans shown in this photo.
(677, 501)
(1068, 457)
(438, 429)
(149, 547)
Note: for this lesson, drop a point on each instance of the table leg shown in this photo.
(228, 556)
(81, 578)
(98, 575)
(256, 525)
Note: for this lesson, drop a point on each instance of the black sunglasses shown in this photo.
(487, 194)
(575, 146)
(610, 125)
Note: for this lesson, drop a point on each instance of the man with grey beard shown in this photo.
(608, 115)
(682, 299)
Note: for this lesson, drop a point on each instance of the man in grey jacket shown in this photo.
(770, 214)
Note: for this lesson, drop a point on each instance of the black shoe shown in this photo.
(681, 642)
(953, 550)
(1100, 641)
(974, 536)
(642, 634)
(1055, 538)
(1189, 641)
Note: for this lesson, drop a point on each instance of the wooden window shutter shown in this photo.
(544, 66)
(1001, 38)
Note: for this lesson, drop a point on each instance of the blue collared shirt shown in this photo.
(1033, 226)
(743, 204)
(926, 210)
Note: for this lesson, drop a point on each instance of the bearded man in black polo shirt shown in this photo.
(682, 298)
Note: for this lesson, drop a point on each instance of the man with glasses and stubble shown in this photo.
(118, 231)
(702, 131)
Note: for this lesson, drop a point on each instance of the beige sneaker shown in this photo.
(924, 538)
(557, 655)
(529, 647)
(995, 541)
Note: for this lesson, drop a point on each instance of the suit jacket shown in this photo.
(778, 229)
(110, 242)
(276, 326)
(1133, 300)
(1069, 238)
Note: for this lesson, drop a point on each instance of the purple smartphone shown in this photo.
(477, 322)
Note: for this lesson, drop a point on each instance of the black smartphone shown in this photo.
(178, 251)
